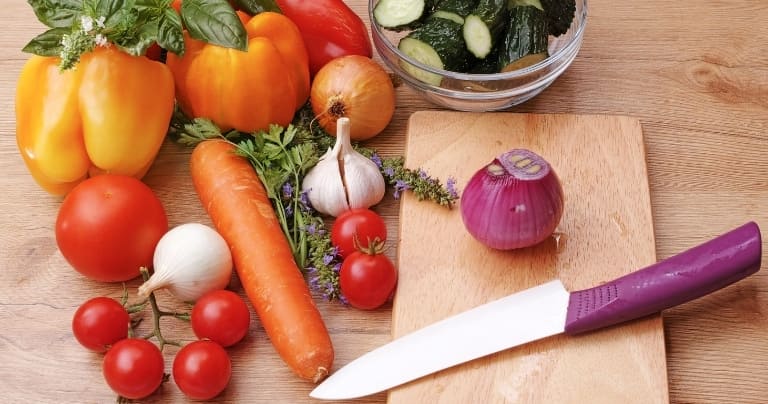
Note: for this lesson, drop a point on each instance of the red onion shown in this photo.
(513, 202)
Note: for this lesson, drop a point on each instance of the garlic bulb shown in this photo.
(343, 179)
(190, 260)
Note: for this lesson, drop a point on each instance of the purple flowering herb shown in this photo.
(287, 190)
(376, 159)
(450, 185)
(400, 186)
(289, 210)
(423, 174)
(327, 259)
(389, 172)
(304, 201)
(337, 267)
(311, 229)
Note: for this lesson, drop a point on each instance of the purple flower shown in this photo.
(389, 172)
(289, 210)
(422, 174)
(329, 290)
(400, 186)
(337, 267)
(311, 229)
(376, 159)
(304, 201)
(327, 259)
(450, 185)
(287, 190)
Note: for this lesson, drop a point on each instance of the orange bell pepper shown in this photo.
(108, 114)
(250, 90)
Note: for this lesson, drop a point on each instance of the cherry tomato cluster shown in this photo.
(134, 367)
(367, 277)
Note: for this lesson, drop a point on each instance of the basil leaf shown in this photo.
(254, 7)
(114, 11)
(48, 43)
(215, 22)
(170, 34)
(142, 38)
(57, 13)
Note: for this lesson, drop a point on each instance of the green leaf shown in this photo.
(142, 37)
(215, 22)
(170, 33)
(48, 43)
(254, 7)
(57, 13)
(114, 11)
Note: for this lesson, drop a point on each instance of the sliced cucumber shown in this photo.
(437, 43)
(401, 14)
(484, 26)
(526, 40)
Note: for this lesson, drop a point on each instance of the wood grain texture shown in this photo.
(695, 73)
(606, 231)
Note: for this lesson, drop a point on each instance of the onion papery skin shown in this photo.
(355, 87)
(516, 201)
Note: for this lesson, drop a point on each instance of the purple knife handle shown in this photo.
(678, 279)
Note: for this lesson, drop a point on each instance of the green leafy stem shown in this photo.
(281, 157)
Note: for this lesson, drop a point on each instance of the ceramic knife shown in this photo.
(546, 310)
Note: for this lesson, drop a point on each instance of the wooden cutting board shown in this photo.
(606, 231)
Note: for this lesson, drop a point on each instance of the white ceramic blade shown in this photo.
(513, 320)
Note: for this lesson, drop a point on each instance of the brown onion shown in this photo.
(355, 87)
(513, 202)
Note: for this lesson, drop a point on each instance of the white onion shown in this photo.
(190, 260)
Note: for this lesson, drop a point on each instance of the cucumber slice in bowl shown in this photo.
(400, 14)
(438, 44)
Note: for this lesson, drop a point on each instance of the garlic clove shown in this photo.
(365, 185)
(325, 187)
(343, 178)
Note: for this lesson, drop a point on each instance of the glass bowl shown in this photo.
(480, 92)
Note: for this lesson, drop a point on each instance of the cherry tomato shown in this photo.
(202, 369)
(367, 280)
(221, 316)
(330, 29)
(100, 322)
(133, 368)
(108, 227)
(363, 224)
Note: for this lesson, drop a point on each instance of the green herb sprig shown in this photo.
(281, 158)
(77, 27)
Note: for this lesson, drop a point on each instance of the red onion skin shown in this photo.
(510, 210)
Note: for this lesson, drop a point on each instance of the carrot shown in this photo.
(239, 208)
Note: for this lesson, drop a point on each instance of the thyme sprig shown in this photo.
(281, 157)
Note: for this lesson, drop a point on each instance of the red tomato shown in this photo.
(134, 368)
(330, 29)
(99, 323)
(363, 225)
(221, 316)
(202, 369)
(108, 227)
(367, 281)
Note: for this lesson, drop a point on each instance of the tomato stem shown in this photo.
(157, 314)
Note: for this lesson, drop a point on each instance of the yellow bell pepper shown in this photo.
(109, 114)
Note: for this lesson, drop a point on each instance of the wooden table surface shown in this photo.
(694, 72)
